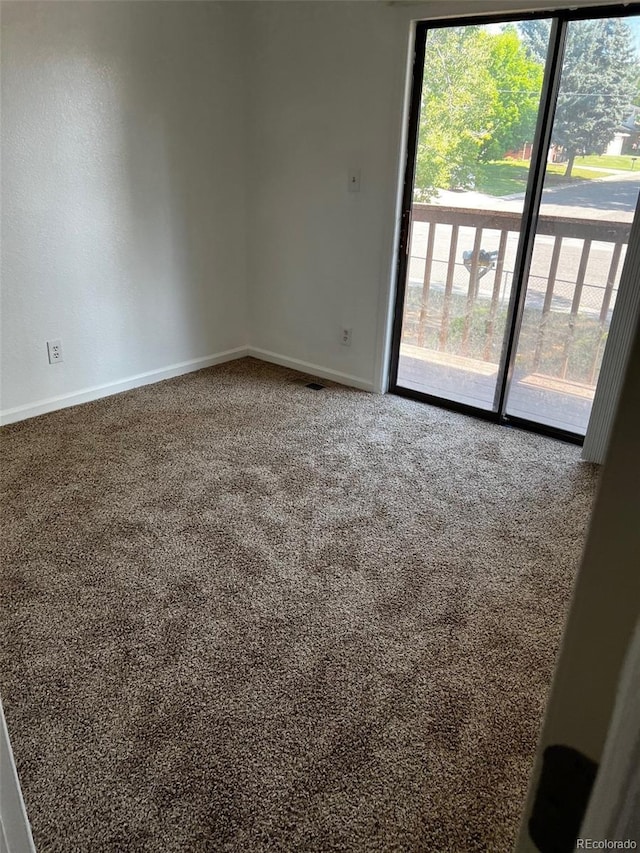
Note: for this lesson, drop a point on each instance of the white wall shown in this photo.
(327, 83)
(606, 599)
(15, 831)
(123, 197)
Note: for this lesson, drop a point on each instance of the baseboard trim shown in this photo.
(87, 395)
(314, 369)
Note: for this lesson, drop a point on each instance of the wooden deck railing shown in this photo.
(558, 227)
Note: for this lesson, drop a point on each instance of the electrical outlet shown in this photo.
(345, 336)
(54, 350)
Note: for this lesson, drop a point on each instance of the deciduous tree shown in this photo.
(456, 103)
(517, 79)
(479, 99)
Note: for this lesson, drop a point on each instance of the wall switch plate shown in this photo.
(354, 180)
(54, 350)
(345, 336)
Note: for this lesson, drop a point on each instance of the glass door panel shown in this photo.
(587, 206)
(481, 90)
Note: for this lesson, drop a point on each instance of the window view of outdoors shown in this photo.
(584, 225)
(478, 114)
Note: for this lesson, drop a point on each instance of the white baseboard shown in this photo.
(87, 395)
(314, 369)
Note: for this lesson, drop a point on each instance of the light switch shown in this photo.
(354, 180)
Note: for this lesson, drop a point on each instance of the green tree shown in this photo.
(517, 79)
(456, 100)
(597, 85)
(479, 99)
(535, 35)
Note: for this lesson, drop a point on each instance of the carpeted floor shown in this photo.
(242, 615)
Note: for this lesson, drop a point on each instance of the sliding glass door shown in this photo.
(585, 216)
(520, 189)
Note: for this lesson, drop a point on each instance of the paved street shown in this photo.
(612, 198)
(609, 199)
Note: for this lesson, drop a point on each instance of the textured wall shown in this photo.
(123, 223)
(327, 83)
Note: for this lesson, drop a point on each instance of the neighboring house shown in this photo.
(627, 138)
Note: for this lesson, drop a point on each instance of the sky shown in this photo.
(634, 23)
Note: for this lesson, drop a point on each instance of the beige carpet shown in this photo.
(242, 615)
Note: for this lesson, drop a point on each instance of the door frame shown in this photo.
(535, 183)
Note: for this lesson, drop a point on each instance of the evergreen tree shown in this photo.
(535, 35)
(597, 83)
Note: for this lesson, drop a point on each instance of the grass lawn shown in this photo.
(609, 161)
(558, 169)
(503, 177)
(506, 177)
